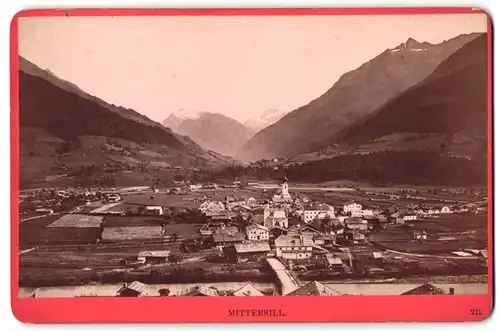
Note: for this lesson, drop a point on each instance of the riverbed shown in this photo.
(179, 289)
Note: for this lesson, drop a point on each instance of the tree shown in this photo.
(174, 237)
(175, 258)
(164, 292)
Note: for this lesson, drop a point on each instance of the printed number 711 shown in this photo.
(475, 312)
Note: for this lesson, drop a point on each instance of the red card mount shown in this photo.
(230, 308)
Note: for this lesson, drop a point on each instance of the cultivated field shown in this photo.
(77, 221)
(131, 233)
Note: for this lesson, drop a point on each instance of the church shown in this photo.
(283, 194)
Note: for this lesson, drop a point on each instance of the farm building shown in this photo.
(324, 240)
(355, 223)
(221, 240)
(249, 291)
(153, 256)
(314, 289)
(153, 210)
(354, 237)
(133, 289)
(243, 252)
(334, 263)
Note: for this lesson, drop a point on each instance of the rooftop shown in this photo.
(314, 289)
(223, 237)
(134, 286)
(294, 240)
(252, 247)
(425, 289)
(248, 290)
(154, 253)
(257, 226)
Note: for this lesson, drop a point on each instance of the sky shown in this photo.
(236, 66)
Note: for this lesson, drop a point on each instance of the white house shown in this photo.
(353, 209)
(409, 217)
(446, 210)
(311, 213)
(367, 212)
(257, 232)
(153, 210)
(251, 201)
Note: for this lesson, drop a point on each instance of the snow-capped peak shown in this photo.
(266, 118)
(412, 45)
(186, 114)
(174, 120)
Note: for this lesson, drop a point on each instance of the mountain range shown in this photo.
(451, 102)
(212, 131)
(356, 95)
(63, 128)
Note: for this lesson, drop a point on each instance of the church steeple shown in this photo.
(285, 179)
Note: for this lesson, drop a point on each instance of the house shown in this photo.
(243, 252)
(257, 232)
(367, 213)
(294, 246)
(377, 256)
(314, 288)
(335, 264)
(419, 235)
(317, 211)
(153, 256)
(249, 291)
(194, 188)
(251, 201)
(356, 223)
(133, 289)
(44, 211)
(446, 210)
(201, 291)
(324, 240)
(275, 217)
(153, 210)
(408, 216)
(353, 209)
(428, 289)
(354, 237)
(304, 228)
(221, 240)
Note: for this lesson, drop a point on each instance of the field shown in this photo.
(131, 233)
(77, 221)
(124, 221)
(36, 231)
(446, 233)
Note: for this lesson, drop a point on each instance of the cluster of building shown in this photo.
(297, 229)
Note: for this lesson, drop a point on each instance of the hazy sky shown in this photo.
(238, 66)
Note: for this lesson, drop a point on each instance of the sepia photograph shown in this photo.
(308, 155)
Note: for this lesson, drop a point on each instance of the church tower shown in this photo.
(284, 187)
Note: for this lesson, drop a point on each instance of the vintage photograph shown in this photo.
(253, 155)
